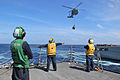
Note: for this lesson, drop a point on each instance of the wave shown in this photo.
(2, 57)
(5, 52)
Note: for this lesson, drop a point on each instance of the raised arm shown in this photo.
(57, 44)
(86, 47)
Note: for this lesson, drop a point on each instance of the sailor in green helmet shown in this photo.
(21, 53)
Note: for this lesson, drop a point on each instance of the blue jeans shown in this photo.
(89, 63)
(53, 59)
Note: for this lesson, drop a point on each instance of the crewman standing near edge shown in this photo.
(90, 48)
(51, 53)
(21, 53)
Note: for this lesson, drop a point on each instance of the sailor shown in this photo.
(90, 48)
(21, 53)
(51, 53)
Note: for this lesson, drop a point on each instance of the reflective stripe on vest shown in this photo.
(20, 60)
(51, 50)
(91, 49)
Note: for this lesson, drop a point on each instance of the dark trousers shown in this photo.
(89, 63)
(20, 74)
(53, 59)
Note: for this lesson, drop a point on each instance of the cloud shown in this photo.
(116, 34)
(30, 18)
(114, 5)
(3, 33)
(117, 1)
(100, 26)
(108, 10)
(111, 5)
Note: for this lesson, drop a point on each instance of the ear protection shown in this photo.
(23, 33)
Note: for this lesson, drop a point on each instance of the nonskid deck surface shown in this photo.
(65, 72)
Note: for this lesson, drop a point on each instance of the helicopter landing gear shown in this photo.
(70, 16)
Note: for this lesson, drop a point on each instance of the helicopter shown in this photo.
(74, 11)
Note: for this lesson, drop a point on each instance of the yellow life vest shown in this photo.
(91, 49)
(51, 50)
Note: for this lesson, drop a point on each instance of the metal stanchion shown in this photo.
(71, 54)
(39, 57)
(99, 62)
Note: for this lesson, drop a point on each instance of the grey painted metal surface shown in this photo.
(65, 72)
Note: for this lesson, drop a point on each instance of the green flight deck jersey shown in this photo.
(20, 60)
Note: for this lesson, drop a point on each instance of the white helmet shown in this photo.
(90, 41)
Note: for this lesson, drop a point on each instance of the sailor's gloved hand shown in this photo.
(27, 57)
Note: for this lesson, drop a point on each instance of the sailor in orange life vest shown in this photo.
(51, 53)
(90, 48)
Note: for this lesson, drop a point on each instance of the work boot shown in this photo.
(87, 70)
(91, 69)
(54, 70)
(46, 70)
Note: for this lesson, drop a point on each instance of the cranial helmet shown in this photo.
(19, 32)
(90, 41)
(51, 40)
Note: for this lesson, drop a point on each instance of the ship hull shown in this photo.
(109, 52)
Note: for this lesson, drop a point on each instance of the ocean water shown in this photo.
(62, 54)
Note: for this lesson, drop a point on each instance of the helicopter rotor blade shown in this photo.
(70, 11)
(67, 7)
(78, 4)
(82, 9)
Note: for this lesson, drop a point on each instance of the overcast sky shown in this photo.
(43, 19)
